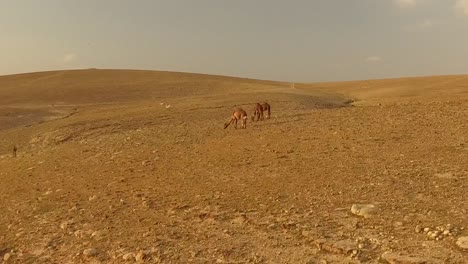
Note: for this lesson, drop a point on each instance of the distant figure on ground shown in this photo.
(15, 149)
(238, 114)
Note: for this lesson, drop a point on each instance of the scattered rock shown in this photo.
(396, 258)
(98, 235)
(447, 175)
(344, 247)
(462, 242)
(64, 225)
(240, 220)
(6, 257)
(90, 252)
(92, 198)
(432, 234)
(271, 226)
(79, 233)
(129, 257)
(365, 210)
(418, 229)
(38, 252)
(140, 256)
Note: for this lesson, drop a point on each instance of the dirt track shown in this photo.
(136, 180)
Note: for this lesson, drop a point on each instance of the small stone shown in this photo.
(38, 252)
(462, 242)
(365, 210)
(240, 220)
(64, 225)
(92, 198)
(396, 258)
(90, 252)
(128, 257)
(344, 247)
(140, 256)
(98, 235)
(79, 233)
(446, 232)
(427, 229)
(398, 224)
(6, 257)
(432, 235)
(418, 229)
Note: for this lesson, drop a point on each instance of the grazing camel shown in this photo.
(266, 107)
(238, 114)
(259, 109)
(258, 112)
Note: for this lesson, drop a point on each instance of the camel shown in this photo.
(266, 107)
(238, 114)
(258, 112)
(259, 109)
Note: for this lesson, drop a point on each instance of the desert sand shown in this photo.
(119, 166)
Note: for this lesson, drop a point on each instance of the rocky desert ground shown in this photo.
(121, 166)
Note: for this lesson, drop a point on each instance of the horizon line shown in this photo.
(234, 76)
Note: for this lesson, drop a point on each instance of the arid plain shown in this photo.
(117, 166)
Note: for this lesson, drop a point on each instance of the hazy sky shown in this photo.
(295, 40)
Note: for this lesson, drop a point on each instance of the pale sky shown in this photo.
(294, 40)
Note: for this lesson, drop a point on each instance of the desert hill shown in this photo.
(399, 89)
(117, 166)
(105, 86)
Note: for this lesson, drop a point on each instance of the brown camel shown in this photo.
(259, 109)
(266, 107)
(238, 114)
(258, 112)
